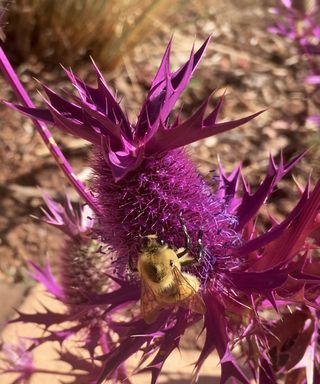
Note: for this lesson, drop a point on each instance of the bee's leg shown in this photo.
(131, 266)
(200, 246)
(186, 261)
(187, 240)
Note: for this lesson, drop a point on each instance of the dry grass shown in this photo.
(55, 31)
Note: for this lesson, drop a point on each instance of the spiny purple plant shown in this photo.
(251, 279)
(300, 22)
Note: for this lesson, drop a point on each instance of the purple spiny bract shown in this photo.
(143, 183)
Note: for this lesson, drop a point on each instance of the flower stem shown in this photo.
(44, 132)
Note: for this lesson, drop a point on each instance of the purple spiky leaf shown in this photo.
(45, 277)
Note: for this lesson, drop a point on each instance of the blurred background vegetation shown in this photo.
(65, 32)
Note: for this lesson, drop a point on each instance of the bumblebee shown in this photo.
(162, 282)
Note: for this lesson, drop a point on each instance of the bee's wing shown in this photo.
(196, 304)
(184, 288)
(187, 293)
(150, 306)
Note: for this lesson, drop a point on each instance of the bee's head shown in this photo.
(155, 272)
(158, 265)
(151, 243)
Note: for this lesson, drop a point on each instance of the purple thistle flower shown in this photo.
(84, 267)
(84, 260)
(145, 184)
(17, 359)
(300, 23)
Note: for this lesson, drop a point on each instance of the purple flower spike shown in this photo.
(95, 115)
(145, 184)
(18, 359)
(45, 277)
(73, 221)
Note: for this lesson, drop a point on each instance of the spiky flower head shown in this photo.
(84, 260)
(95, 115)
(145, 184)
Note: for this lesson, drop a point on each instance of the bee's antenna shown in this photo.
(187, 240)
(200, 245)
